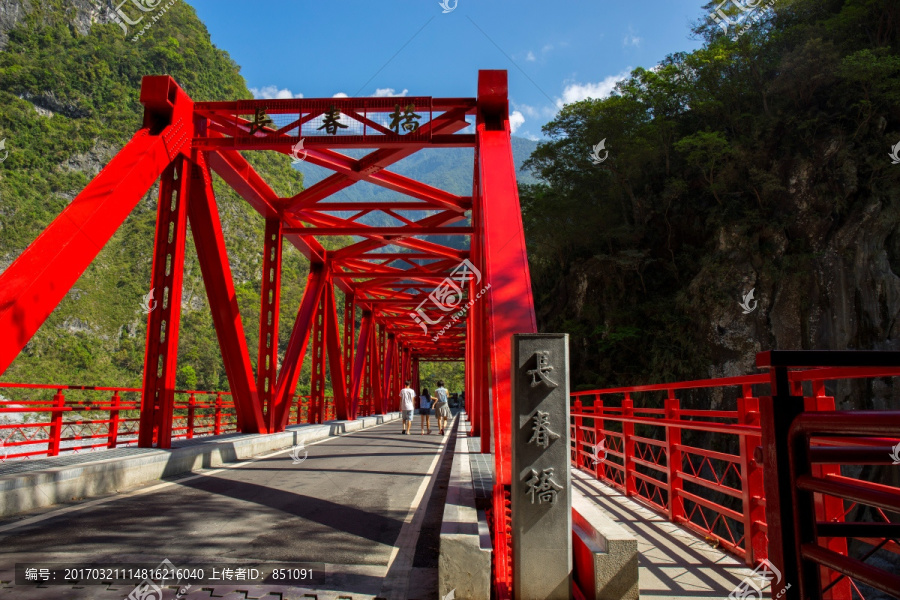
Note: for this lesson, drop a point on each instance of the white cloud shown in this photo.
(271, 92)
(530, 57)
(386, 92)
(575, 92)
(340, 95)
(547, 48)
(516, 120)
(544, 112)
(632, 40)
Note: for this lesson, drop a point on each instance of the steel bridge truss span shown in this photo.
(408, 296)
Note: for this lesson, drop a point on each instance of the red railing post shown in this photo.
(217, 427)
(577, 408)
(112, 437)
(828, 508)
(192, 401)
(59, 401)
(299, 410)
(599, 428)
(674, 459)
(752, 493)
(628, 445)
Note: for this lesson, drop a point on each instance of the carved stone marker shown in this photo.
(541, 486)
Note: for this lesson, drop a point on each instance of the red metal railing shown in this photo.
(51, 421)
(699, 466)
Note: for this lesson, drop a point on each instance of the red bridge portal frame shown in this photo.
(388, 274)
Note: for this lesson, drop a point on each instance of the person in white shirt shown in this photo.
(441, 407)
(425, 410)
(407, 406)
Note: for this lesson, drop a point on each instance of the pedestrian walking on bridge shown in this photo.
(407, 406)
(425, 410)
(441, 406)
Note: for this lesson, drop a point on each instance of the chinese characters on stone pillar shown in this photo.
(541, 485)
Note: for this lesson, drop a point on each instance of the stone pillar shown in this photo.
(541, 485)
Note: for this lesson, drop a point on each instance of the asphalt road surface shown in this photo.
(348, 511)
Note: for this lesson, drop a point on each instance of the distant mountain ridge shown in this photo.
(449, 169)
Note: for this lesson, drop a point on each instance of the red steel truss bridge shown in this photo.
(449, 283)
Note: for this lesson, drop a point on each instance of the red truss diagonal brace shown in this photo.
(37, 281)
(210, 243)
(335, 358)
(293, 356)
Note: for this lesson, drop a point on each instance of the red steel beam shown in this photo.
(293, 356)
(335, 359)
(161, 352)
(270, 307)
(213, 257)
(510, 307)
(349, 340)
(37, 281)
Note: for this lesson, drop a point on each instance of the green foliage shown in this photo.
(451, 373)
(637, 255)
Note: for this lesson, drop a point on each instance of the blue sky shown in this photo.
(554, 51)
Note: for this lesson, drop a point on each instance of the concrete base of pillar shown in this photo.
(606, 555)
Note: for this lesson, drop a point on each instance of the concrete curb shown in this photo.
(464, 564)
(606, 555)
(21, 492)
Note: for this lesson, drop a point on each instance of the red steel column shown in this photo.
(349, 340)
(317, 362)
(336, 364)
(508, 304)
(362, 366)
(161, 355)
(267, 357)
(387, 396)
(376, 352)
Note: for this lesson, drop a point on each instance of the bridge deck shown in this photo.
(355, 503)
(365, 508)
(674, 563)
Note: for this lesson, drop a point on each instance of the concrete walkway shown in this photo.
(674, 563)
(351, 510)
